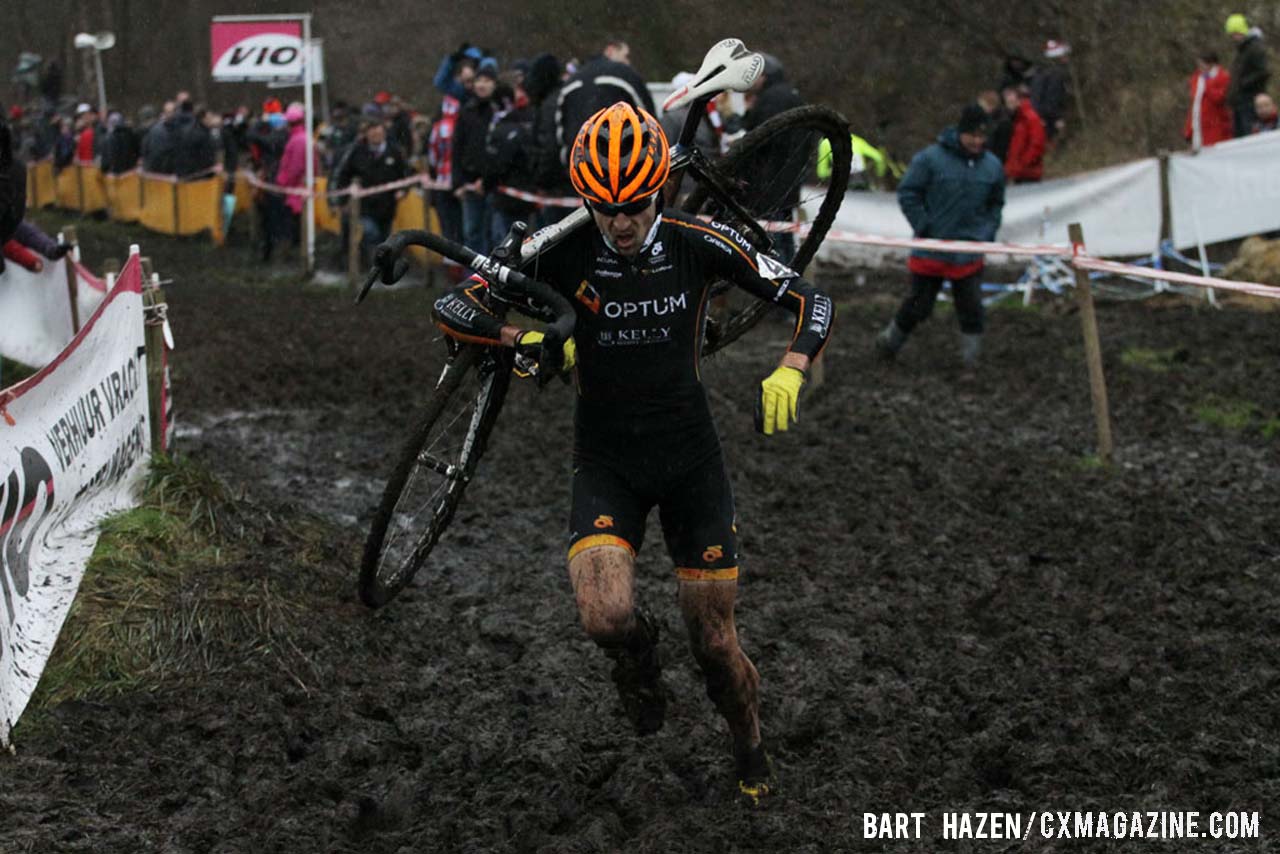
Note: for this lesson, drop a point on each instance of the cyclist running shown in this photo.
(644, 434)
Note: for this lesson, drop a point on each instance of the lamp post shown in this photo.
(98, 42)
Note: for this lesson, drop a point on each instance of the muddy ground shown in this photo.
(952, 607)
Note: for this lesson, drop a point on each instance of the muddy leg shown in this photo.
(603, 584)
(732, 681)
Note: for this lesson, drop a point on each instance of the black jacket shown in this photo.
(196, 150)
(371, 170)
(598, 84)
(509, 159)
(784, 160)
(1049, 94)
(120, 150)
(13, 188)
(469, 137)
(777, 96)
(1249, 72)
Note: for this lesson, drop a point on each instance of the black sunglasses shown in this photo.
(630, 208)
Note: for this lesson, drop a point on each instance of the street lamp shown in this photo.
(98, 42)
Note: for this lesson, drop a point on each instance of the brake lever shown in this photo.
(509, 248)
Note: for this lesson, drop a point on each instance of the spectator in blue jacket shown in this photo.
(953, 190)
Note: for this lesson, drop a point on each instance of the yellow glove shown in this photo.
(530, 342)
(779, 394)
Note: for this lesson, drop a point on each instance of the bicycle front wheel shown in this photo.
(772, 171)
(433, 470)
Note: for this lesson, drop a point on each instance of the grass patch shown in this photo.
(1238, 415)
(191, 584)
(1091, 462)
(1156, 361)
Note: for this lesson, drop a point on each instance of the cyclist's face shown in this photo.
(626, 232)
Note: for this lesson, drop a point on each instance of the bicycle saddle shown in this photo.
(727, 66)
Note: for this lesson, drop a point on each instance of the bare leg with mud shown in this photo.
(733, 683)
(603, 581)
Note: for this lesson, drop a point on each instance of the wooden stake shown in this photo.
(145, 261)
(353, 236)
(1092, 348)
(176, 229)
(153, 294)
(73, 281)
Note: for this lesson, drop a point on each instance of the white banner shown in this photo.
(1227, 191)
(37, 310)
(1118, 208)
(74, 448)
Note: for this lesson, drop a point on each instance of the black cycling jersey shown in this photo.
(643, 424)
(640, 319)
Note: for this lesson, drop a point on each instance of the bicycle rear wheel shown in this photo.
(772, 171)
(433, 471)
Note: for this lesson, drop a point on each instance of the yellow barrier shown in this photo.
(328, 211)
(124, 196)
(93, 192)
(79, 188)
(67, 189)
(244, 193)
(190, 207)
(200, 207)
(183, 207)
(411, 212)
(41, 190)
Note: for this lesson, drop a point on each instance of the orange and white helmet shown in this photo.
(619, 157)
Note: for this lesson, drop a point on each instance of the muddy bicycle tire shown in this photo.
(483, 374)
(736, 167)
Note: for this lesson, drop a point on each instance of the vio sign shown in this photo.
(257, 51)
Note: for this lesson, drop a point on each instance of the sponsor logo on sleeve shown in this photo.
(734, 235)
(718, 243)
(773, 269)
(820, 320)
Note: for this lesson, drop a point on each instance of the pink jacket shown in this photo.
(293, 166)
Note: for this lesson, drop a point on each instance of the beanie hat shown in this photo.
(295, 113)
(973, 119)
(1054, 49)
(1237, 24)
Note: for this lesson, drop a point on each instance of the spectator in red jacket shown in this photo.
(86, 127)
(1209, 116)
(1024, 162)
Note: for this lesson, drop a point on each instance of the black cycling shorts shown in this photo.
(695, 507)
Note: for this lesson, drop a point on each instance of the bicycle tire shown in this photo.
(813, 118)
(383, 574)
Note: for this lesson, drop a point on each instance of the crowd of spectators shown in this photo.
(497, 125)
(510, 126)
